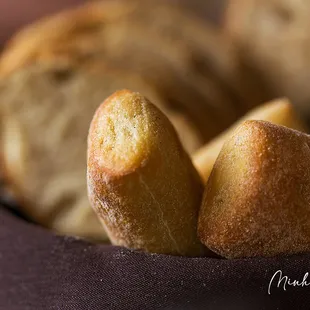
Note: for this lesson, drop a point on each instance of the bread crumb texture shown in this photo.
(145, 190)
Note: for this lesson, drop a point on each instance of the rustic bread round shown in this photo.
(273, 39)
(186, 59)
(54, 75)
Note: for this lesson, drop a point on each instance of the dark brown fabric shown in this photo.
(39, 270)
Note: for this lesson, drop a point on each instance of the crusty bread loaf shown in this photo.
(279, 112)
(273, 39)
(65, 35)
(44, 131)
(187, 60)
(141, 182)
(256, 202)
(49, 70)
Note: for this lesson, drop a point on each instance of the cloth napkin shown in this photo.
(40, 270)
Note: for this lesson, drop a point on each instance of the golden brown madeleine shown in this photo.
(257, 199)
(278, 111)
(141, 182)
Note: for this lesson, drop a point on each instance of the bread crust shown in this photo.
(184, 58)
(280, 112)
(42, 40)
(141, 182)
(256, 202)
(43, 150)
(272, 38)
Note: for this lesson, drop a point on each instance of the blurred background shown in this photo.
(203, 63)
(15, 14)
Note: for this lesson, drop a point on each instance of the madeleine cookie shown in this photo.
(141, 182)
(256, 202)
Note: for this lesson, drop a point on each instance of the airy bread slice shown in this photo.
(47, 112)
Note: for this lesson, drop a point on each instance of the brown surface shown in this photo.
(256, 202)
(280, 112)
(141, 182)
